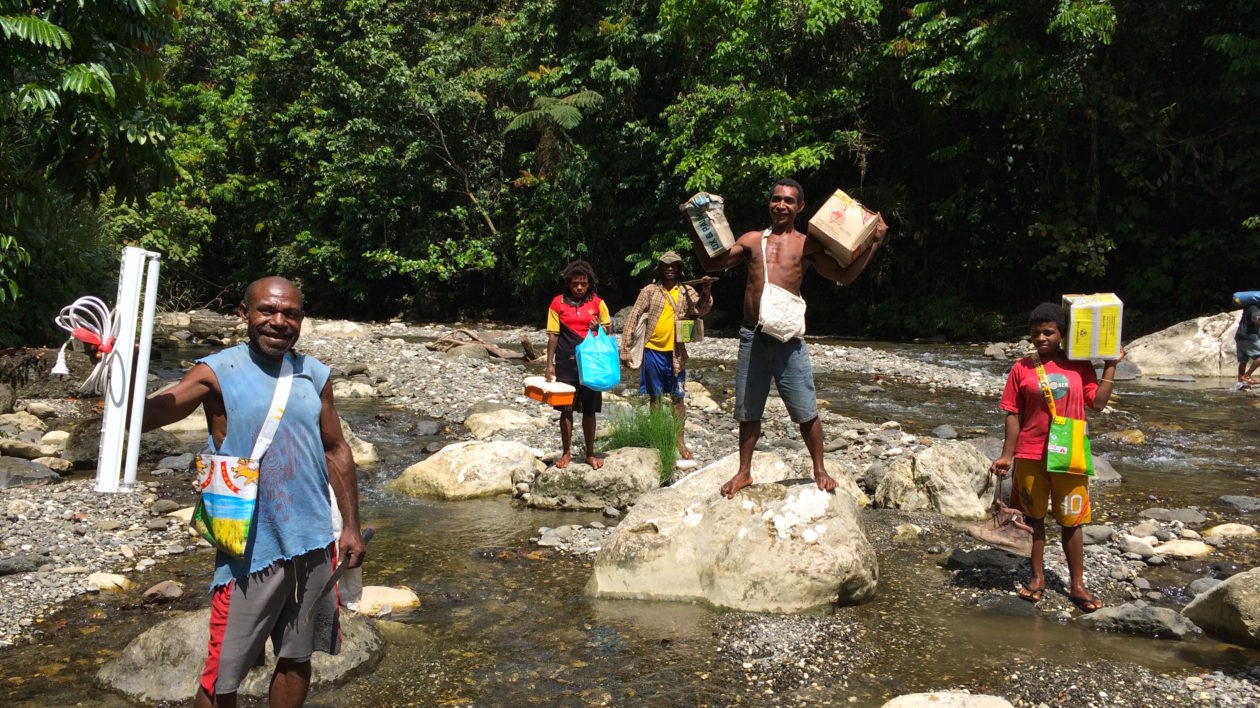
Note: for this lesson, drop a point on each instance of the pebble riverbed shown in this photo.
(54, 537)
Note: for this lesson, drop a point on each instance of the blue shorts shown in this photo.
(762, 357)
(657, 375)
(1248, 348)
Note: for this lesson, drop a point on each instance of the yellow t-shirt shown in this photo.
(662, 339)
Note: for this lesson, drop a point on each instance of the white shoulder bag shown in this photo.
(782, 314)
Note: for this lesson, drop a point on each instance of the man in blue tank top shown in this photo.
(276, 588)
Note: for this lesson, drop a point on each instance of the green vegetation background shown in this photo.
(443, 159)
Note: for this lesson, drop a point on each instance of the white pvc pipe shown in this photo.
(117, 387)
(141, 378)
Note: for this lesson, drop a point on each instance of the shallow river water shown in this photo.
(505, 623)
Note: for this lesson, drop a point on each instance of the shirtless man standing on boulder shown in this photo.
(788, 254)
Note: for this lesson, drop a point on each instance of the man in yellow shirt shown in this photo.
(660, 306)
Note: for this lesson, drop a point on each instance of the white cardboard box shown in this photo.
(709, 220)
(844, 227)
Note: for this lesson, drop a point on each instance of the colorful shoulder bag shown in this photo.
(229, 485)
(1067, 445)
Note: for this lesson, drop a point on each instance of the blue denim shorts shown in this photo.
(657, 375)
(762, 357)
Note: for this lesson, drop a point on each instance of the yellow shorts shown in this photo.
(1038, 488)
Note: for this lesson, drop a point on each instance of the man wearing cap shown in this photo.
(658, 308)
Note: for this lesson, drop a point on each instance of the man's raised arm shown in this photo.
(178, 401)
(721, 261)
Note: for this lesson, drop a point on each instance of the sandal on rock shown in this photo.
(1086, 604)
(1026, 593)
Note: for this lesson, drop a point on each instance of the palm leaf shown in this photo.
(35, 30)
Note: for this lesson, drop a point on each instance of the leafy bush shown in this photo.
(648, 426)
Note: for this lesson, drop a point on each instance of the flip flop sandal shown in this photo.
(1033, 596)
(1086, 604)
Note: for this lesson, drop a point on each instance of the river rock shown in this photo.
(16, 472)
(467, 351)
(1185, 516)
(55, 439)
(1104, 472)
(1198, 586)
(949, 477)
(486, 418)
(1140, 618)
(1203, 346)
(14, 565)
(467, 469)
(165, 662)
(364, 452)
(1240, 502)
(947, 699)
(626, 475)
(1230, 611)
(945, 432)
(24, 449)
(377, 600)
(84, 443)
(1133, 544)
(980, 559)
(207, 323)
(163, 592)
(337, 328)
(1095, 534)
(1183, 549)
(1127, 437)
(352, 389)
(177, 462)
(22, 422)
(778, 546)
(40, 410)
(7, 398)
(110, 582)
(1231, 531)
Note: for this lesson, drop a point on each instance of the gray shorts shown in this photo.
(284, 601)
(1248, 348)
(762, 357)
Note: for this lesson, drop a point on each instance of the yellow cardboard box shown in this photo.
(844, 227)
(709, 220)
(1093, 326)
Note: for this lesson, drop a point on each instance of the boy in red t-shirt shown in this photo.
(1074, 387)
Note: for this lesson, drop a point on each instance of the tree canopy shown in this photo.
(444, 159)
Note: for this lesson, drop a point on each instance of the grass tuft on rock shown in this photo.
(648, 426)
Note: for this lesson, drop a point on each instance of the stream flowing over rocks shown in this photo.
(475, 434)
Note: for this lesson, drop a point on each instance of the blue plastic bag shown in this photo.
(598, 367)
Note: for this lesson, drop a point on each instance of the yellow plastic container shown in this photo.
(1093, 326)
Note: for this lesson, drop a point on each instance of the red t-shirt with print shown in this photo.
(1073, 384)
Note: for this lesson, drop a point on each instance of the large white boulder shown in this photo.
(1203, 346)
(781, 545)
(486, 418)
(165, 662)
(1230, 611)
(627, 474)
(949, 477)
(467, 469)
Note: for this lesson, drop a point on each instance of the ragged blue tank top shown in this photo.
(293, 514)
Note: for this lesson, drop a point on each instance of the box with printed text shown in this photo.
(844, 227)
(1093, 326)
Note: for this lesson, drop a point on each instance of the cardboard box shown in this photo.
(844, 227)
(553, 393)
(709, 220)
(1093, 326)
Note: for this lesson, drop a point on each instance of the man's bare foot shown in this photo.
(734, 484)
(563, 461)
(825, 481)
(683, 452)
(594, 462)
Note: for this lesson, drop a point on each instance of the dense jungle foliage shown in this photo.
(444, 158)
